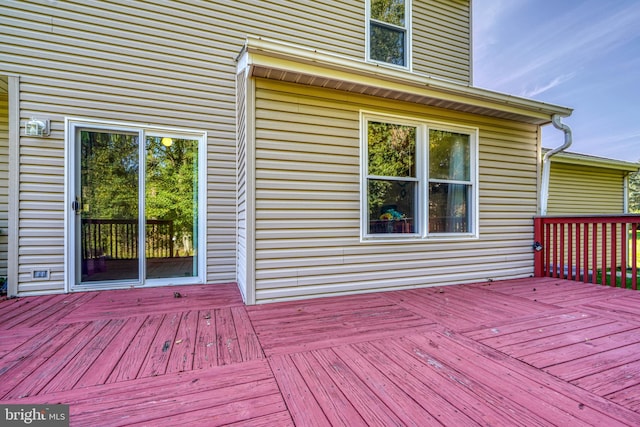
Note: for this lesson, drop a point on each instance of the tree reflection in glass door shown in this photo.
(171, 207)
(108, 206)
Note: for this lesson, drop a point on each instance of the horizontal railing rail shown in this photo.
(592, 249)
(118, 238)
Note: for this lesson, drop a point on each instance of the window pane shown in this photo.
(392, 150)
(391, 206)
(449, 208)
(389, 11)
(171, 207)
(449, 156)
(109, 205)
(387, 44)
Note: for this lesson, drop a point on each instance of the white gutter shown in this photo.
(546, 164)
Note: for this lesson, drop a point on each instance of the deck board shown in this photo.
(103, 366)
(585, 331)
(206, 350)
(518, 352)
(226, 338)
(531, 388)
(302, 326)
(68, 376)
(183, 350)
(34, 354)
(129, 364)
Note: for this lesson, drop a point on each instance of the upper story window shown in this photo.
(388, 24)
(419, 179)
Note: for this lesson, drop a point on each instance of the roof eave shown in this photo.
(594, 161)
(286, 62)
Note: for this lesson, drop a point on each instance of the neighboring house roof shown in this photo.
(287, 62)
(568, 157)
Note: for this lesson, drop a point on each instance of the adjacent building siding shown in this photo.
(308, 200)
(581, 190)
(169, 64)
(4, 175)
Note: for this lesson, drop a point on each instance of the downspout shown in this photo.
(546, 164)
(625, 195)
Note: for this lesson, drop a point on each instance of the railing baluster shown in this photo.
(547, 250)
(634, 256)
(603, 255)
(585, 275)
(623, 255)
(560, 266)
(613, 257)
(570, 251)
(578, 275)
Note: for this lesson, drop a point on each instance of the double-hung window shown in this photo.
(419, 179)
(388, 26)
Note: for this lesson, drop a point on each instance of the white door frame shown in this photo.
(72, 239)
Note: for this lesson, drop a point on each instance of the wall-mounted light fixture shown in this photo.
(36, 127)
(537, 246)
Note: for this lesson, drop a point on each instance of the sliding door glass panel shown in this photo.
(108, 206)
(171, 207)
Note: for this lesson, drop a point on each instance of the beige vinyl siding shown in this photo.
(442, 39)
(581, 190)
(110, 61)
(308, 200)
(157, 63)
(241, 161)
(4, 175)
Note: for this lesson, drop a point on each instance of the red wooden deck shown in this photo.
(538, 351)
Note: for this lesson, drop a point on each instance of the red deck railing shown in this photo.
(593, 249)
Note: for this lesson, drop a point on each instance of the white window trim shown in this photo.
(72, 124)
(422, 172)
(408, 44)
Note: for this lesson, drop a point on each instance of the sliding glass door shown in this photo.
(135, 205)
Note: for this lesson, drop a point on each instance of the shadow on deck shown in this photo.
(522, 352)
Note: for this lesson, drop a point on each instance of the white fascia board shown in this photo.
(594, 161)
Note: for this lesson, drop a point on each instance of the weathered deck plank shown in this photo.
(596, 363)
(129, 364)
(583, 331)
(67, 377)
(157, 358)
(548, 397)
(447, 355)
(104, 364)
(30, 356)
(247, 339)
(128, 302)
(576, 348)
(303, 406)
(226, 338)
(302, 327)
(206, 351)
(181, 357)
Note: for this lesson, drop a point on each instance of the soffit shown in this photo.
(283, 62)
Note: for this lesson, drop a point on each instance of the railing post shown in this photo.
(538, 248)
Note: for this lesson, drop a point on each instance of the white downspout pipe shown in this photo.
(546, 164)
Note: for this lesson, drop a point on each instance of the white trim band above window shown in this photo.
(419, 179)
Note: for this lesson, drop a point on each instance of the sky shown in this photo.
(582, 54)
